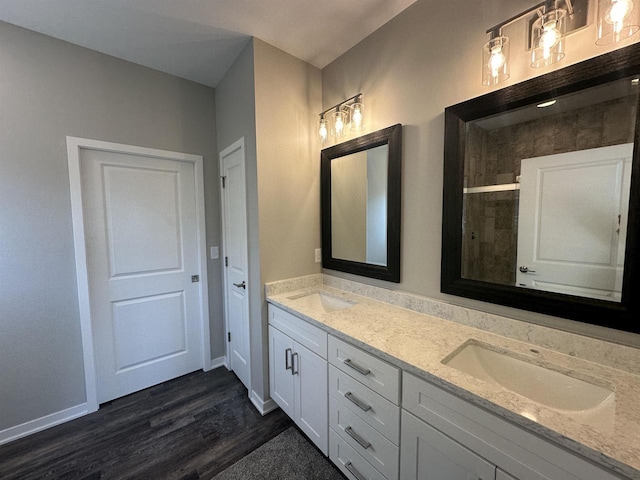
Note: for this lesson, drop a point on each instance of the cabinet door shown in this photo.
(310, 374)
(427, 454)
(281, 381)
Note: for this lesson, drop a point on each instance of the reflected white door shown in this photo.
(572, 221)
(142, 250)
(234, 213)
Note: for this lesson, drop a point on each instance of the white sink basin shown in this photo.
(321, 301)
(542, 385)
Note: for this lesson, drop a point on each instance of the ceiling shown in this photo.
(199, 39)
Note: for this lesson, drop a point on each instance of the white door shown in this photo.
(281, 381)
(234, 225)
(142, 249)
(427, 454)
(572, 221)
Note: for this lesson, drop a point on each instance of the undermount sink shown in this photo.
(321, 301)
(544, 386)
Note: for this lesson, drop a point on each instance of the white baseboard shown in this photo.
(13, 433)
(263, 406)
(218, 362)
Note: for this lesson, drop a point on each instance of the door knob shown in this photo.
(524, 269)
(241, 285)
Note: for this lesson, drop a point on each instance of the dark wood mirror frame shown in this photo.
(622, 315)
(393, 137)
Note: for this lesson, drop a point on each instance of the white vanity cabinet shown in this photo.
(428, 454)
(443, 432)
(298, 373)
(364, 413)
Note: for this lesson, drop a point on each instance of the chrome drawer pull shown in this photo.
(357, 368)
(349, 466)
(363, 443)
(359, 403)
(287, 352)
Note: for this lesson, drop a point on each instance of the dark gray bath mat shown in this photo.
(289, 456)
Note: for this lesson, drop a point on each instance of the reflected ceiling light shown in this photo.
(617, 20)
(547, 24)
(546, 104)
(348, 114)
(635, 81)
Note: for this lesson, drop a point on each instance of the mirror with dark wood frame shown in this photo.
(541, 194)
(360, 200)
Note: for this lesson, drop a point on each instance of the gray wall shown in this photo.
(288, 99)
(50, 89)
(270, 98)
(236, 118)
(409, 71)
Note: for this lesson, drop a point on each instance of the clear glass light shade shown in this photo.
(617, 20)
(495, 60)
(547, 38)
(357, 116)
(323, 129)
(339, 123)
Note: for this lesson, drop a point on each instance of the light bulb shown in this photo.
(323, 131)
(357, 117)
(339, 125)
(496, 61)
(618, 11)
(549, 38)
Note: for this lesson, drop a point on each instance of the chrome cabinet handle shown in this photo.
(349, 466)
(359, 403)
(287, 352)
(293, 363)
(363, 443)
(241, 285)
(357, 368)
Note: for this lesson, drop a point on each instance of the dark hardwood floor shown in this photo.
(192, 427)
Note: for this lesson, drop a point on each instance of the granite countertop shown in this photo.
(418, 343)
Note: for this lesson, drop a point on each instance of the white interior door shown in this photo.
(234, 206)
(572, 221)
(142, 249)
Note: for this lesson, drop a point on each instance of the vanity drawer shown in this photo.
(374, 409)
(376, 374)
(300, 330)
(349, 461)
(364, 439)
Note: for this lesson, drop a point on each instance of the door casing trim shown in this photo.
(74, 145)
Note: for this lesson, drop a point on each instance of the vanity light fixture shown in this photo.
(348, 114)
(617, 20)
(547, 24)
